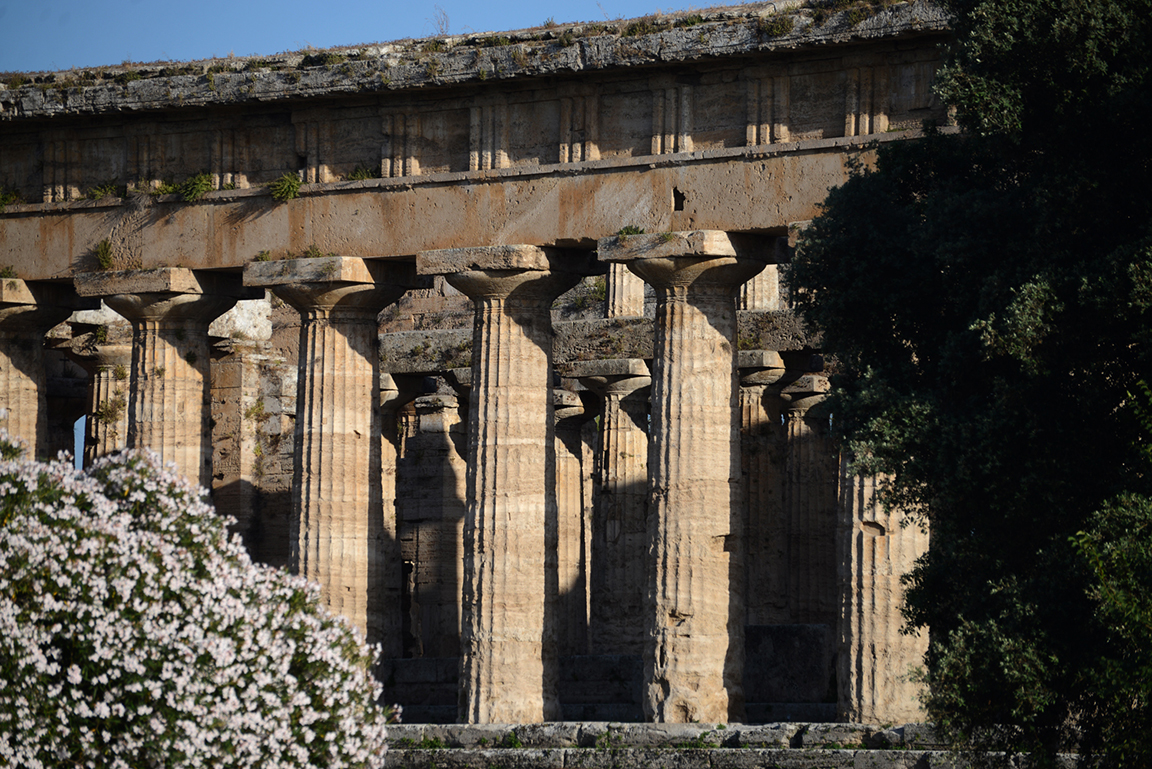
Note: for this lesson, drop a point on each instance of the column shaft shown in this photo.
(694, 651)
(571, 548)
(810, 498)
(693, 660)
(625, 293)
(106, 429)
(432, 525)
(875, 658)
(762, 465)
(504, 632)
(27, 312)
(335, 440)
(508, 644)
(619, 524)
(337, 533)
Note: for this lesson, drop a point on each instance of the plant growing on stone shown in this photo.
(135, 632)
(9, 197)
(103, 254)
(194, 188)
(286, 187)
(361, 173)
(776, 25)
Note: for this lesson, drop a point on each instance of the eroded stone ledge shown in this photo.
(452, 60)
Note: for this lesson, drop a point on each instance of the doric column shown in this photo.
(170, 309)
(764, 291)
(27, 311)
(625, 293)
(875, 658)
(508, 648)
(762, 468)
(337, 509)
(571, 549)
(810, 501)
(432, 525)
(694, 650)
(109, 371)
(396, 391)
(619, 527)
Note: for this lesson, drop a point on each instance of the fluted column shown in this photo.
(106, 429)
(571, 549)
(694, 650)
(432, 525)
(875, 658)
(625, 293)
(810, 500)
(619, 526)
(27, 311)
(337, 523)
(396, 391)
(170, 310)
(508, 646)
(762, 466)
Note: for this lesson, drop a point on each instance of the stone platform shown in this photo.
(622, 746)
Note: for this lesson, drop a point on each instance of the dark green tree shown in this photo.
(989, 298)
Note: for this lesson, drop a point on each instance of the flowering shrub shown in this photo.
(135, 633)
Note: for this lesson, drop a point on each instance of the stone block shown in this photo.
(759, 736)
(322, 269)
(831, 736)
(691, 243)
(164, 280)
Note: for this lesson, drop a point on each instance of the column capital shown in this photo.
(346, 285)
(38, 305)
(398, 390)
(566, 405)
(532, 274)
(165, 294)
(614, 378)
(759, 367)
(804, 393)
(693, 258)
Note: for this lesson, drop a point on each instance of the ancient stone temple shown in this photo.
(488, 336)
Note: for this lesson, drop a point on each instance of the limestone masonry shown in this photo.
(487, 336)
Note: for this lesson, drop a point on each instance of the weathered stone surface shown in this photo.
(566, 504)
(338, 538)
(406, 64)
(508, 667)
(694, 650)
(619, 526)
(670, 125)
(876, 659)
(27, 311)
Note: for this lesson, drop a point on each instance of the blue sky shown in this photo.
(59, 35)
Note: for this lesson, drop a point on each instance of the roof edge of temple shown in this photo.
(463, 60)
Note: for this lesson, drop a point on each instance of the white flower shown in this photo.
(176, 649)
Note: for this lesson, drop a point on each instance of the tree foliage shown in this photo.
(989, 298)
(135, 633)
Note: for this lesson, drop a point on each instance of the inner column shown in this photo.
(337, 528)
(619, 526)
(27, 311)
(170, 309)
(694, 642)
(508, 645)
